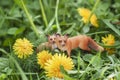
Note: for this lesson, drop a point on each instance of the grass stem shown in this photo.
(24, 77)
(93, 9)
(43, 13)
(56, 16)
(30, 19)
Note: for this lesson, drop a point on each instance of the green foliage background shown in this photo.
(34, 19)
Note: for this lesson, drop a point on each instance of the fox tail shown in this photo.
(95, 46)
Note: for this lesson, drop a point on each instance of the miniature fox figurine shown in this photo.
(82, 41)
(48, 45)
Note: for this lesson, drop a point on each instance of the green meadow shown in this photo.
(24, 25)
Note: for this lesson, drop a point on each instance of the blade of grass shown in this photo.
(28, 74)
(78, 60)
(95, 61)
(100, 32)
(107, 22)
(56, 17)
(24, 77)
(43, 13)
(111, 59)
(29, 18)
(93, 9)
(3, 18)
(49, 25)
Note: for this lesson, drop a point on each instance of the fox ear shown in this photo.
(66, 35)
(47, 35)
(57, 35)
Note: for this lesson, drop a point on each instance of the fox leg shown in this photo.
(68, 52)
(84, 46)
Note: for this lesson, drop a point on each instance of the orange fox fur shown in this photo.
(48, 45)
(82, 41)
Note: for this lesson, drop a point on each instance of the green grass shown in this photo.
(33, 19)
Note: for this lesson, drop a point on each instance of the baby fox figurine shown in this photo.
(82, 41)
(48, 45)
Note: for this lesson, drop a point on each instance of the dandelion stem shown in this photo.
(43, 13)
(30, 19)
(56, 16)
(93, 9)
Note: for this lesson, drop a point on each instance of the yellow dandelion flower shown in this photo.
(42, 57)
(85, 13)
(110, 51)
(23, 48)
(108, 40)
(112, 78)
(53, 65)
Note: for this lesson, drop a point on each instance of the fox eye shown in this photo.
(65, 41)
(54, 38)
(60, 41)
(51, 39)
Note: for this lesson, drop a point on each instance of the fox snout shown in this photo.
(62, 45)
(53, 42)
